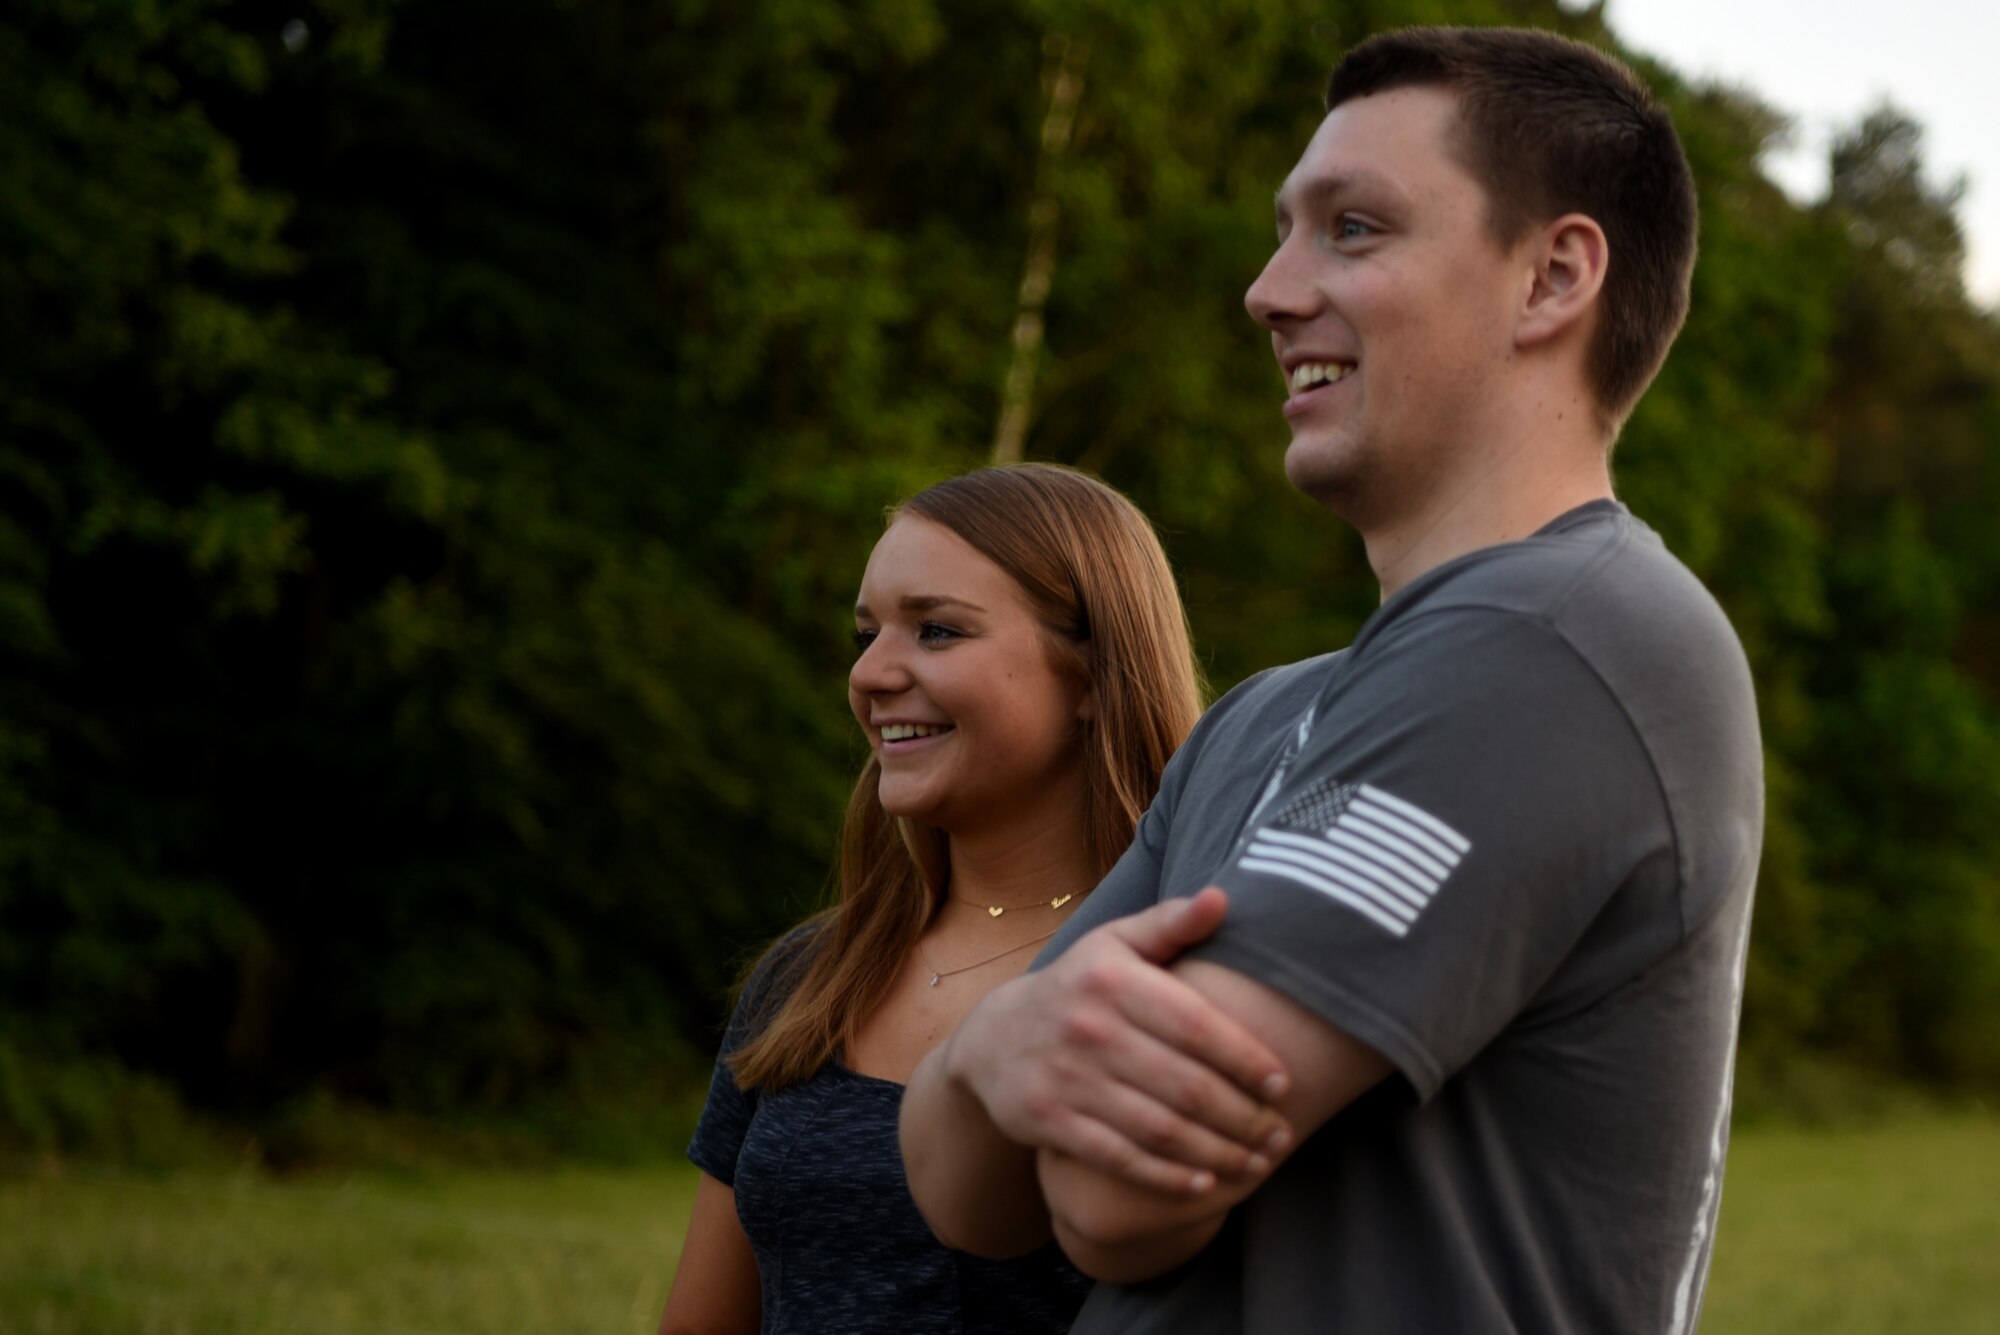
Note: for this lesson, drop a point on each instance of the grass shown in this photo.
(1860, 1231)
(454, 1254)
(1887, 1228)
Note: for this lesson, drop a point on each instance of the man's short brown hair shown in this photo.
(1550, 126)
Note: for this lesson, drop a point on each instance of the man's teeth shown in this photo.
(903, 732)
(1314, 373)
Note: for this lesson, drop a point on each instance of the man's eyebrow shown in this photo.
(923, 602)
(1320, 191)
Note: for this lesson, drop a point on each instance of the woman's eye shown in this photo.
(862, 639)
(935, 632)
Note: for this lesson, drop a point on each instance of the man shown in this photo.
(1450, 1049)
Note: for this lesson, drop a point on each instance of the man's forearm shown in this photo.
(976, 1188)
(1105, 1056)
(1118, 1247)
(1116, 1229)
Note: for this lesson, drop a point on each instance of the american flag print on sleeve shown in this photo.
(1363, 848)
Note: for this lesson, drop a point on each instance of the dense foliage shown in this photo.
(438, 441)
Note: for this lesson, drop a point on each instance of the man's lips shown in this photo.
(1304, 401)
(1305, 373)
(1310, 377)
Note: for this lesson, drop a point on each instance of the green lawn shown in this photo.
(1879, 1230)
(526, 1254)
(1860, 1232)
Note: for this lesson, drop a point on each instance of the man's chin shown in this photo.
(1321, 470)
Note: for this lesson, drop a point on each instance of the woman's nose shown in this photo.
(880, 668)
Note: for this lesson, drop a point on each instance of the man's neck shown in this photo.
(1507, 497)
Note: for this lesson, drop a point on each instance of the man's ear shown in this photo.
(1570, 258)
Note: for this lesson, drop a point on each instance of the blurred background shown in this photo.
(439, 441)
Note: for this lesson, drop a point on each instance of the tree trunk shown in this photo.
(1063, 76)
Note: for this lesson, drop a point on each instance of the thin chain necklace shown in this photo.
(995, 910)
(937, 973)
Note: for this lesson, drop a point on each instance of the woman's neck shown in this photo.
(1024, 861)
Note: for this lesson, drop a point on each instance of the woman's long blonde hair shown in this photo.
(1092, 569)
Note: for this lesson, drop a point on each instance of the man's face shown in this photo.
(1389, 305)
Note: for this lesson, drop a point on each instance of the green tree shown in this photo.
(444, 438)
(1906, 745)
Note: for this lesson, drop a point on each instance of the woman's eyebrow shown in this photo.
(931, 602)
(923, 602)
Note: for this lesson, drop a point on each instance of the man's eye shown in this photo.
(1351, 229)
(935, 632)
(862, 639)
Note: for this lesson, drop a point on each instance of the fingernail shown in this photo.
(1201, 1182)
(1258, 1165)
(1274, 1085)
(1278, 1140)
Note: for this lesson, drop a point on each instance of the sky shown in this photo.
(1827, 62)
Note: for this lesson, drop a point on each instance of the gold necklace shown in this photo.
(995, 910)
(937, 973)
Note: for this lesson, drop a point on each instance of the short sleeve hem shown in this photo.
(1440, 845)
(712, 1160)
(725, 1118)
(1340, 1007)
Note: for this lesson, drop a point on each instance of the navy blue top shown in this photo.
(820, 1191)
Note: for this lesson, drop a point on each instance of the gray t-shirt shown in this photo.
(1508, 838)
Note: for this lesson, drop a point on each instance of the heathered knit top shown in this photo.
(820, 1190)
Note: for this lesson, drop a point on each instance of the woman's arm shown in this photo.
(716, 1290)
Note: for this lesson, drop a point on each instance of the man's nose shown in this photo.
(1283, 294)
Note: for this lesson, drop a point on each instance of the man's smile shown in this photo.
(1309, 374)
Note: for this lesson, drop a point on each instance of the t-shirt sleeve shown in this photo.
(725, 1118)
(1470, 798)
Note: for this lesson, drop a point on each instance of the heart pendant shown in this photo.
(1058, 903)
(995, 911)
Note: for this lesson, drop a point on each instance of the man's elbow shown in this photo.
(955, 1228)
(1005, 1240)
(1115, 1232)
(956, 1231)
(1109, 1265)
(1096, 1219)
(992, 1225)
(1122, 1246)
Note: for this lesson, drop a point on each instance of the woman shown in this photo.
(1024, 673)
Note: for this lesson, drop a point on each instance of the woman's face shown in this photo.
(956, 688)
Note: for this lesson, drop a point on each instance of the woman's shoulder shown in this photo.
(771, 979)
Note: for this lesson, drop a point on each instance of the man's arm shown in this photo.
(1106, 1057)
(1115, 1229)
(974, 1186)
